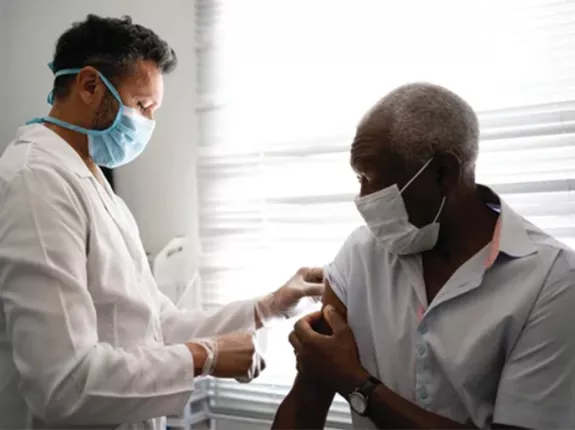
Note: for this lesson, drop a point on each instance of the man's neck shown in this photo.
(78, 141)
(469, 228)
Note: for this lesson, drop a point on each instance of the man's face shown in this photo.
(142, 90)
(378, 167)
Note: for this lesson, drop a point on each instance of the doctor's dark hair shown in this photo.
(111, 45)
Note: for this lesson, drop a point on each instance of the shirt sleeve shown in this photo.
(48, 315)
(537, 385)
(338, 272)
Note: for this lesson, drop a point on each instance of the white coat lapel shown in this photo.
(119, 219)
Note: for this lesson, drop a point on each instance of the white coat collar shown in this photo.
(40, 135)
(37, 134)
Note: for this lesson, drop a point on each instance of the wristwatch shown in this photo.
(359, 398)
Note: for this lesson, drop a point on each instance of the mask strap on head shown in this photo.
(73, 71)
(416, 175)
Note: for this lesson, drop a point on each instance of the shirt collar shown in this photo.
(509, 236)
(514, 240)
(40, 135)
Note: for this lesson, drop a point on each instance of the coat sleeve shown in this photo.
(180, 325)
(67, 375)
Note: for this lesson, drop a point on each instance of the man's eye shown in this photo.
(141, 107)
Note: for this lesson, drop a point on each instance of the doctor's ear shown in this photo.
(448, 171)
(90, 86)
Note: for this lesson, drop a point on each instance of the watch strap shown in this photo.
(366, 390)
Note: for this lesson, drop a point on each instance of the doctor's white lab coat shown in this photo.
(86, 337)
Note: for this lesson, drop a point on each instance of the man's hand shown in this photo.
(283, 303)
(331, 359)
(235, 355)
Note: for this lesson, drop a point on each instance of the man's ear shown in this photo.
(448, 170)
(90, 86)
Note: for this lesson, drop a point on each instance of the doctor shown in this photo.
(86, 337)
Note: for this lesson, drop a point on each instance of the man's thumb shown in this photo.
(334, 319)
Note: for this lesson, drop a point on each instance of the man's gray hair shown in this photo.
(422, 119)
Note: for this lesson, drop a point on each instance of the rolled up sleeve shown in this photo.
(69, 377)
(338, 273)
(537, 385)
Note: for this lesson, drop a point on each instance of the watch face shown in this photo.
(357, 403)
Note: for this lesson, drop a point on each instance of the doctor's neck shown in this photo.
(78, 141)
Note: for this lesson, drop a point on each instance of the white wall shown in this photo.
(3, 54)
(158, 187)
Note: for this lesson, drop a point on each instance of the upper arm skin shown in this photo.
(307, 404)
(330, 298)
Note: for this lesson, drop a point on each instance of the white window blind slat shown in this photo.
(282, 85)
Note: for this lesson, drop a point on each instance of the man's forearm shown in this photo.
(305, 407)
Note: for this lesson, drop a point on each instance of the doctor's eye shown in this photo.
(141, 107)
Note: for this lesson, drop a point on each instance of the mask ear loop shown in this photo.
(440, 210)
(414, 178)
(416, 175)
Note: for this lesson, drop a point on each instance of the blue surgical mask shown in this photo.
(120, 143)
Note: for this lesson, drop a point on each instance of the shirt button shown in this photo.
(423, 328)
(422, 393)
(421, 349)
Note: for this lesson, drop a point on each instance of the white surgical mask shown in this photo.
(385, 214)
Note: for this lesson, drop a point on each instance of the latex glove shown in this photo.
(302, 290)
(233, 355)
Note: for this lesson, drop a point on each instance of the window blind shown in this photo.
(282, 85)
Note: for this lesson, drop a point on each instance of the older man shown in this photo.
(459, 312)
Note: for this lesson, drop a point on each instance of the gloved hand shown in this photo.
(282, 304)
(233, 355)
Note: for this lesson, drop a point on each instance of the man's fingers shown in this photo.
(298, 365)
(294, 341)
(304, 330)
(334, 319)
(312, 318)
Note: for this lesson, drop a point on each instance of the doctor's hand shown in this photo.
(233, 355)
(290, 299)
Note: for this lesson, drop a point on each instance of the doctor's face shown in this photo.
(142, 90)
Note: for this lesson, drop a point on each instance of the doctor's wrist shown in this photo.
(199, 356)
(268, 311)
